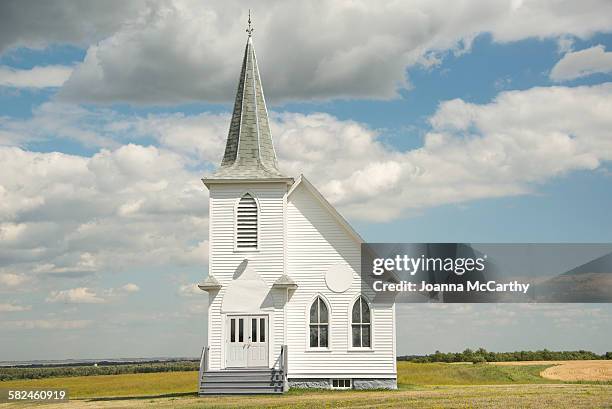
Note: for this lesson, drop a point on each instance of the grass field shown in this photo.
(481, 396)
(468, 374)
(432, 385)
(140, 384)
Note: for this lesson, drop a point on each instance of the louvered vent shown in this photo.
(246, 223)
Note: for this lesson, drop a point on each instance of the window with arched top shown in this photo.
(361, 324)
(319, 324)
(246, 223)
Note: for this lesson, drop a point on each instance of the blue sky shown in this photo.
(458, 127)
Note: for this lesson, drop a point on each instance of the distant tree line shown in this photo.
(482, 355)
(104, 368)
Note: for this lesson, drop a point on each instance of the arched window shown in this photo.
(361, 324)
(246, 223)
(319, 324)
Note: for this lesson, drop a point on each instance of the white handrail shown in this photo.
(283, 366)
(203, 364)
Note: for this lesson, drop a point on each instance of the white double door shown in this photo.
(247, 341)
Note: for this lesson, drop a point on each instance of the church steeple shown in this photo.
(249, 152)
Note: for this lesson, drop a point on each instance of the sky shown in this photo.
(470, 121)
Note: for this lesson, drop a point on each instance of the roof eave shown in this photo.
(211, 180)
(333, 211)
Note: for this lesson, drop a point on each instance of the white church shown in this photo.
(286, 306)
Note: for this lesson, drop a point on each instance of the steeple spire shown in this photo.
(249, 152)
(250, 29)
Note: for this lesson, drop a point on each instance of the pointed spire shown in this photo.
(249, 152)
(250, 30)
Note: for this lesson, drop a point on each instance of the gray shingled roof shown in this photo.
(249, 153)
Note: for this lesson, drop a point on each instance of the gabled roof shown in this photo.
(302, 181)
(249, 152)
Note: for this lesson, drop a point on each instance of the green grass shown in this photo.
(468, 374)
(140, 384)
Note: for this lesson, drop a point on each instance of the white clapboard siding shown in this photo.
(316, 241)
(268, 260)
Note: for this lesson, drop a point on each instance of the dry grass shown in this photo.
(571, 371)
(483, 396)
(580, 371)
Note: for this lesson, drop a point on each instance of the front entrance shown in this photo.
(247, 341)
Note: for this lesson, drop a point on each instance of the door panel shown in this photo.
(247, 341)
(257, 354)
(236, 348)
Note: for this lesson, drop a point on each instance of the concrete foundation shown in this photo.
(357, 383)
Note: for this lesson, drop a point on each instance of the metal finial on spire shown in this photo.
(250, 29)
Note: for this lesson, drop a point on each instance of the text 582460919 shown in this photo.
(15, 395)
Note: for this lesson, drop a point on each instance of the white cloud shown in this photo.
(12, 280)
(68, 216)
(189, 290)
(201, 137)
(166, 51)
(85, 295)
(582, 63)
(81, 295)
(130, 288)
(36, 77)
(45, 324)
(198, 307)
(52, 120)
(505, 147)
(85, 264)
(6, 307)
(565, 44)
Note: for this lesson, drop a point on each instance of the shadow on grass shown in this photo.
(323, 391)
(166, 395)
(291, 392)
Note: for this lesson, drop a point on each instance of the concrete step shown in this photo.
(241, 376)
(248, 375)
(209, 385)
(239, 388)
(243, 371)
(226, 379)
(214, 379)
(242, 381)
(239, 392)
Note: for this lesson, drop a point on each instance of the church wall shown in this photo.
(316, 241)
